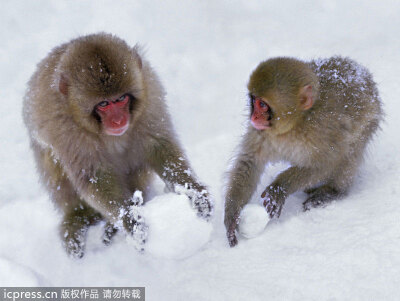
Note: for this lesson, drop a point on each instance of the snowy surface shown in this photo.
(204, 52)
(172, 223)
(253, 220)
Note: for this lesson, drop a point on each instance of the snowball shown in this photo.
(253, 220)
(174, 230)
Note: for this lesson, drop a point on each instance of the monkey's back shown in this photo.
(347, 88)
(348, 97)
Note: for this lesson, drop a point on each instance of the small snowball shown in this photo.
(253, 220)
(174, 231)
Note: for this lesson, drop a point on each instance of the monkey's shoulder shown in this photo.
(343, 75)
(346, 90)
(314, 141)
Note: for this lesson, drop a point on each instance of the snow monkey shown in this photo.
(99, 127)
(318, 116)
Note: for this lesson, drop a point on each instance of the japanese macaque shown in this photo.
(99, 127)
(319, 117)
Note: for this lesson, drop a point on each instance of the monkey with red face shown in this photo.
(319, 116)
(99, 128)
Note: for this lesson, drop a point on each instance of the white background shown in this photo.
(204, 52)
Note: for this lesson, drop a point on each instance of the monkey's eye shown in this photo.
(260, 102)
(103, 105)
(122, 98)
(263, 104)
(122, 101)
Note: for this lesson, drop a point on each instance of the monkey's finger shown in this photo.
(279, 211)
(306, 206)
(109, 232)
(74, 248)
(268, 204)
(312, 202)
(232, 239)
(265, 203)
(233, 242)
(272, 209)
(205, 211)
(265, 199)
(231, 232)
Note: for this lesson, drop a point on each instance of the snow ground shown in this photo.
(204, 52)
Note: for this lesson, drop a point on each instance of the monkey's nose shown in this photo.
(118, 121)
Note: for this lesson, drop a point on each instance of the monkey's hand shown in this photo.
(74, 243)
(133, 221)
(273, 198)
(231, 224)
(200, 199)
(137, 229)
(109, 232)
(203, 204)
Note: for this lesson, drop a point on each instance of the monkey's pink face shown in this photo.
(261, 114)
(115, 116)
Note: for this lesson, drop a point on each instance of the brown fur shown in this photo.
(91, 175)
(324, 144)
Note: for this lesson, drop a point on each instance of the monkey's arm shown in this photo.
(243, 180)
(88, 168)
(170, 163)
(291, 180)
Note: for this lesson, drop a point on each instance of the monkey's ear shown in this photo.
(139, 61)
(306, 97)
(137, 56)
(63, 84)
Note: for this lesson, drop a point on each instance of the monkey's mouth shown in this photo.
(117, 131)
(261, 125)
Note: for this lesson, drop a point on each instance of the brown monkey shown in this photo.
(318, 116)
(99, 127)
